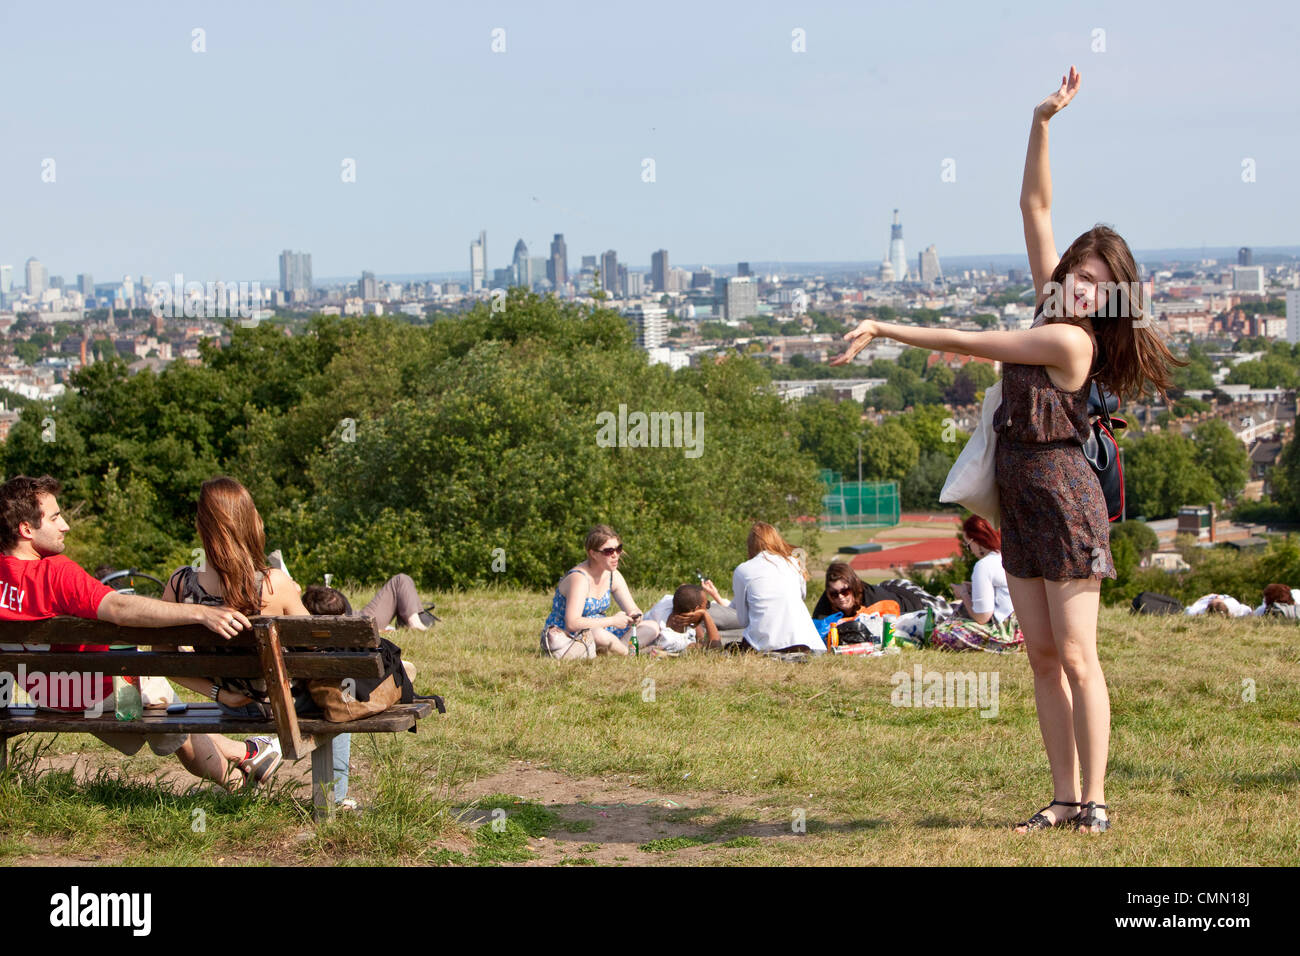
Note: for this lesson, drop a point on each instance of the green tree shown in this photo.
(1163, 472)
(888, 452)
(1223, 455)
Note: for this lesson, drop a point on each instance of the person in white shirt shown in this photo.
(985, 619)
(1224, 604)
(768, 593)
(1279, 594)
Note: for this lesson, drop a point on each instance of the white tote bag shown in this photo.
(971, 482)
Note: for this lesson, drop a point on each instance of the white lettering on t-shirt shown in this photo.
(11, 598)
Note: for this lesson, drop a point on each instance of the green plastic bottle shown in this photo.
(126, 698)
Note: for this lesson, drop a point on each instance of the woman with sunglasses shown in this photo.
(580, 625)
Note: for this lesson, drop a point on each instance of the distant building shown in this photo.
(742, 269)
(295, 275)
(478, 263)
(928, 265)
(1293, 316)
(650, 323)
(740, 298)
(86, 285)
(659, 271)
(1245, 257)
(557, 267)
(897, 257)
(1248, 279)
(36, 277)
(702, 279)
(6, 279)
(633, 283)
(609, 273)
(519, 266)
(368, 288)
(589, 262)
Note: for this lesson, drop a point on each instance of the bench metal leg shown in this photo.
(322, 776)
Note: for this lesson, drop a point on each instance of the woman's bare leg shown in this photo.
(211, 757)
(1074, 606)
(1052, 694)
(607, 643)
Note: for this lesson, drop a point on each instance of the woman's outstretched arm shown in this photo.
(1036, 187)
(1058, 345)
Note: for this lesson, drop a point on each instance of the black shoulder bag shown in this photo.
(1102, 450)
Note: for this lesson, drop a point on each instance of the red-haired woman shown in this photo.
(235, 572)
(1055, 533)
(768, 594)
(985, 620)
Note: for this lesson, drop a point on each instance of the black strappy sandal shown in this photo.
(1089, 822)
(1040, 822)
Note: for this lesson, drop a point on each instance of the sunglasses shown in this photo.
(838, 592)
(610, 552)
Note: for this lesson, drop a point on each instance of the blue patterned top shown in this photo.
(592, 607)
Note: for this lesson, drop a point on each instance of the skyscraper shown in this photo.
(86, 284)
(742, 269)
(557, 268)
(741, 299)
(1293, 315)
(650, 323)
(478, 262)
(659, 271)
(519, 266)
(36, 277)
(1245, 257)
(897, 257)
(295, 275)
(368, 288)
(6, 279)
(609, 273)
(928, 265)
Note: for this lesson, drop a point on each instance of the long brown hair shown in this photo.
(1131, 354)
(764, 537)
(234, 541)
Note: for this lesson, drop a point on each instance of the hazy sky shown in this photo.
(211, 163)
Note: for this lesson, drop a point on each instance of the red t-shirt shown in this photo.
(47, 587)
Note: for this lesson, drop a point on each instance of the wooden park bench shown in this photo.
(275, 649)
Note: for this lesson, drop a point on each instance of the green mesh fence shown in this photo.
(858, 504)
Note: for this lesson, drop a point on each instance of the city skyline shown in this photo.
(781, 135)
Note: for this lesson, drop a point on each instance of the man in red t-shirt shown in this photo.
(37, 581)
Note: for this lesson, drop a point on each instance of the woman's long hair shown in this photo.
(1131, 353)
(842, 572)
(764, 537)
(234, 541)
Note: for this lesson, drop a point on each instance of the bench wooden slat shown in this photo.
(322, 631)
(294, 744)
(203, 719)
(177, 664)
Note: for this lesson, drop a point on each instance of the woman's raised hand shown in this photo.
(859, 338)
(1061, 98)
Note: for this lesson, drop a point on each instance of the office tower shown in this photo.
(679, 280)
(609, 273)
(1245, 257)
(622, 282)
(295, 275)
(368, 288)
(519, 266)
(650, 323)
(928, 265)
(702, 279)
(659, 270)
(742, 269)
(6, 279)
(478, 262)
(897, 257)
(35, 277)
(1248, 279)
(557, 268)
(56, 282)
(589, 262)
(1293, 315)
(741, 298)
(633, 283)
(538, 266)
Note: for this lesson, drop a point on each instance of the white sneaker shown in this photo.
(264, 759)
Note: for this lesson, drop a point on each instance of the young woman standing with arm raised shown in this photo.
(1055, 530)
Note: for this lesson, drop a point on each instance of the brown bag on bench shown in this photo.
(354, 699)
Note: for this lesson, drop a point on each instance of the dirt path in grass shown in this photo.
(614, 819)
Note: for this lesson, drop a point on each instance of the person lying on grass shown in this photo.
(673, 624)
